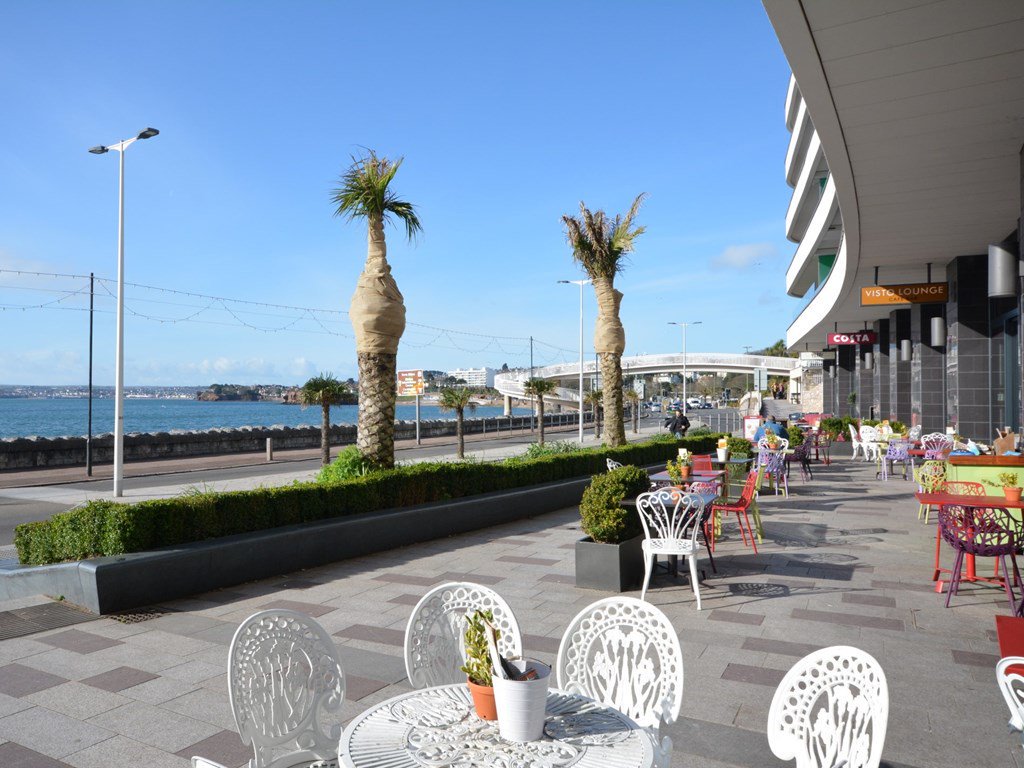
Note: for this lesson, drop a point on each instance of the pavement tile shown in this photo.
(195, 671)
(310, 609)
(205, 705)
(475, 578)
(402, 578)
(158, 727)
(527, 560)
(51, 733)
(224, 747)
(406, 599)
(118, 679)
(19, 680)
(986, 660)
(158, 690)
(780, 647)
(848, 619)
(558, 578)
(78, 641)
(373, 634)
(540, 644)
(357, 687)
(735, 617)
(77, 700)
(878, 600)
(744, 673)
(16, 756)
(122, 751)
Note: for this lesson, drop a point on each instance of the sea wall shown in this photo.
(28, 452)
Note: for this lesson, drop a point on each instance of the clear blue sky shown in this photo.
(507, 114)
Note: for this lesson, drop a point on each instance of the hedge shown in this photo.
(103, 528)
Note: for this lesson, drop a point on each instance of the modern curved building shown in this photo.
(905, 153)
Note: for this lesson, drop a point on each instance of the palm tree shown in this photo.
(634, 407)
(323, 390)
(377, 310)
(538, 388)
(600, 245)
(457, 400)
(594, 398)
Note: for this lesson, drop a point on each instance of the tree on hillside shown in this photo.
(778, 349)
(323, 390)
(600, 245)
(377, 309)
(539, 388)
(458, 400)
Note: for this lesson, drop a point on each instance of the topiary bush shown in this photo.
(604, 519)
(795, 436)
(831, 427)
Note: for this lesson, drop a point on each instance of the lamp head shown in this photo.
(148, 133)
(99, 150)
(564, 282)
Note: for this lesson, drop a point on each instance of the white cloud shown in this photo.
(743, 256)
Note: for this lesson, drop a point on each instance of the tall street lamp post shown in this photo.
(684, 326)
(580, 283)
(122, 147)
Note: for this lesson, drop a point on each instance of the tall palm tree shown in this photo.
(457, 400)
(600, 245)
(595, 398)
(377, 309)
(634, 407)
(323, 390)
(538, 388)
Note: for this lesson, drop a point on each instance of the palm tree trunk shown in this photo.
(458, 433)
(611, 373)
(636, 417)
(540, 412)
(325, 434)
(377, 392)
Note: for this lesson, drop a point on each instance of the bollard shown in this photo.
(270, 449)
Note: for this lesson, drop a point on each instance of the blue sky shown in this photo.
(507, 114)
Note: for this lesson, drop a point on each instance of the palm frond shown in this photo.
(364, 193)
(323, 389)
(457, 400)
(539, 387)
(598, 244)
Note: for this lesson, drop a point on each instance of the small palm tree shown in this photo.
(595, 399)
(323, 390)
(600, 245)
(377, 309)
(457, 400)
(538, 388)
(634, 408)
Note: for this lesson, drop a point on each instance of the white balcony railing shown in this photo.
(803, 269)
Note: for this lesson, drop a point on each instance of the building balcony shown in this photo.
(822, 236)
(808, 187)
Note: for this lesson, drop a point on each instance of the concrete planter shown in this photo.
(610, 567)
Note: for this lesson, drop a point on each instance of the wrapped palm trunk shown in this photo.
(377, 312)
(610, 343)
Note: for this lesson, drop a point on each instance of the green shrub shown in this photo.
(795, 436)
(348, 463)
(831, 427)
(738, 446)
(536, 450)
(846, 423)
(869, 422)
(898, 427)
(107, 528)
(604, 519)
(699, 430)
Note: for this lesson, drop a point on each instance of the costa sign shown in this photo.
(854, 337)
(910, 293)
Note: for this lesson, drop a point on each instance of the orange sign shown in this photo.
(910, 293)
(410, 383)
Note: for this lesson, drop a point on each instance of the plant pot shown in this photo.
(610, 567)
(723, 454)
(483, 700)
(522, 704)
(1012, 494)
(684, 472)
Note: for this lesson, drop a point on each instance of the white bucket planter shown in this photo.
(723, 454)
(521, 704)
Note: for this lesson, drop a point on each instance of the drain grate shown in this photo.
(140, 615)
(39, 618)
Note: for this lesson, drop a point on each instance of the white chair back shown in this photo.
(612, 464)
(781, 444)
(915, 432)
(435, 635)
(1011, 685)
(868, 434)
(668, 513)
(854, 437)
(831, 709)
(936, 441)
(286, 687)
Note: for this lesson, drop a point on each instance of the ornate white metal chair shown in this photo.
(831, 710)
(870, 437)
(914, 433)
(286, 687)
(671, 521)
(935, 444)
(435, 636)
(857, 443)
(1010, 676)
(612, 464)
(625, 653)
(781, 444)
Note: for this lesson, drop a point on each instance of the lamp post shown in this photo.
(122, 147)
(684, 326)
(580, 283)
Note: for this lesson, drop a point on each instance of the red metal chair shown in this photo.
(958, 488)
(702, 463)
(739, 508)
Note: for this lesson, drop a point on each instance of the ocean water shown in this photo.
(20, 417)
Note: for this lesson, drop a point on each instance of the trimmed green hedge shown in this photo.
(101, 528)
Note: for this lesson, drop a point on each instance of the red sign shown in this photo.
(854, 337)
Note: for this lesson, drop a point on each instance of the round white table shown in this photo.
(437, 727)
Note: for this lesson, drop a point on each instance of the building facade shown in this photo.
(905, 159)
(474, 377)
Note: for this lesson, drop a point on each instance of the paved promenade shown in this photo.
(845, 562)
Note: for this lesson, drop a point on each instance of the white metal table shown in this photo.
(437, 727)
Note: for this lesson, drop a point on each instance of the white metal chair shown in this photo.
(781, 444)
(1009, 671)
(435, 635)
(286, 687)
(870, 437)
(857, 443)
(831, 711)
(914, 433)
(612, 464)
(625, 653)
(671, 521)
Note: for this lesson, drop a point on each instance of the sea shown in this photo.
(56, 417)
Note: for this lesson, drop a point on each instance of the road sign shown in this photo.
(639, 388)
(410, 383)
(760, 379)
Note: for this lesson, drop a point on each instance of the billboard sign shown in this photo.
(410, 383)
(910, 293)
(855, 337)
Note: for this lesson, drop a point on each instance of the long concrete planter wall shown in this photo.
(112, 584)
(28, 452)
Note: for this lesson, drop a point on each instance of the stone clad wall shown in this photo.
(29, 452)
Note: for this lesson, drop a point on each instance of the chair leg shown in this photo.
(954, 577)
(743, 531)
(693, 578)
(747, 521)
(758, 528)
(1007, 578)
(707, 548)
(648, 559)
(938, 554)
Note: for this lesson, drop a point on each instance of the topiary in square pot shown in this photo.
(611, 557)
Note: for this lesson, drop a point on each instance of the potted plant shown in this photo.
(723, 449)
(478, 665)
(1008, 482)
(679, 470)
(610, 558)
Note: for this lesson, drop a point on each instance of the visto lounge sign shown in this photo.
(910, 293)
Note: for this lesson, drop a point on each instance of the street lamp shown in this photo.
(683, 326)
(580, 283)
(122, 147)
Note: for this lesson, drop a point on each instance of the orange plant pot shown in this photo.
(684, 472)
(1012, 494)
(483, 700)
